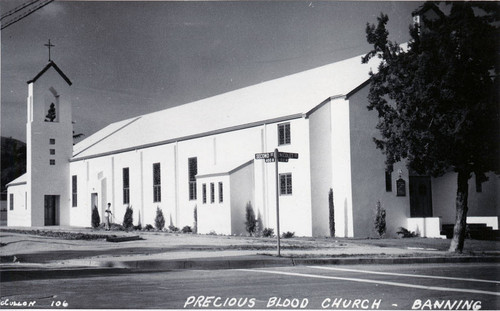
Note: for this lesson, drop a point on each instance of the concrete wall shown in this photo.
(21, 214)
(485, 203)
(368, 173)
(341, 168)
(320, 136)
(216, 216)
(242, 192)
(103, 175)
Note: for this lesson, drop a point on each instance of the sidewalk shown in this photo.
(27, 255)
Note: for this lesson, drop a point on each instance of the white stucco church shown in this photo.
(202, 154)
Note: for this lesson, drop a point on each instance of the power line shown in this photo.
(17, 9)
(25, 14)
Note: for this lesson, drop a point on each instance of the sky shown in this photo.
(131, 58)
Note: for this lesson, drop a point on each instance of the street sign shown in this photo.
(269, 160)
(280, 159)
(288, 155)
(265, 155)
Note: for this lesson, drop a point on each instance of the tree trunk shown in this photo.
(457, 242)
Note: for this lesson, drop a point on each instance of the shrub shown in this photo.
(173, 228)
(212, 232)
(138, 227)
(96, 220)
(159, 219)
(195, 214)
(251, 222)
(331, 213)
(186, 229)
(268, 232)
(287, 235)
(149, 227)
(405, 233)
(128, 218)
(380, 225)
(259, 226)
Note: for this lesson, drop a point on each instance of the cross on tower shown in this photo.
(49, 45)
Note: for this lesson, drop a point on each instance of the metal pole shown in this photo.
(277, 202)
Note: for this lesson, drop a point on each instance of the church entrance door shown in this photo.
(420, 196)
(51, 202)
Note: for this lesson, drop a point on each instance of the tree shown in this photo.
(51, 114)
(251, 222)
(437, 100)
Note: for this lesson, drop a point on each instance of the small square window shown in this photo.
(285, 184)
(284, 134)
(52, 162)
(52, 151)
(52, 141)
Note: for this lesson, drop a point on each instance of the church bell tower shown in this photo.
(49, 132)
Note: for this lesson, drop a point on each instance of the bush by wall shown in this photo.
(96, 220)
(195, 215)
(331, 213)
(268, 232)
(128, 218)
(159, 219)
(287, 235)
(186, 229)
(251, 222)
(380, 224)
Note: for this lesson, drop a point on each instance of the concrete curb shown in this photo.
(109, 267)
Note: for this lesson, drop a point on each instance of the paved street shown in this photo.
(423, 286)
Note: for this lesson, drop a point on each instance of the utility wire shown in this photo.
(25, 14)
(17, 9)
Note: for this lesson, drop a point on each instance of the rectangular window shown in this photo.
(52, 151)
(286, 184)
(74, 191)
(204, 190)
(126, 186)
(221, 193)
(192, 171)
(212, 192)
(52, 141)
(52, 162)
(11, 201)
(284, 134)
(388, 179)
(156, 182)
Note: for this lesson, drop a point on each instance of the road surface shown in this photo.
(385, 287)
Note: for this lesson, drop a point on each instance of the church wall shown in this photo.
(295, 209)
(214, 217)
(165, 155)
(341, 168)
(242, 186)
(485, 203)
(321, 168)
(20, 215)
(368, 173)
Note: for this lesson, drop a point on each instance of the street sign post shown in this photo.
(270, 157)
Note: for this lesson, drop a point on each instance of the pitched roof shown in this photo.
(49, 65)
(21, 180)
(279, 99)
